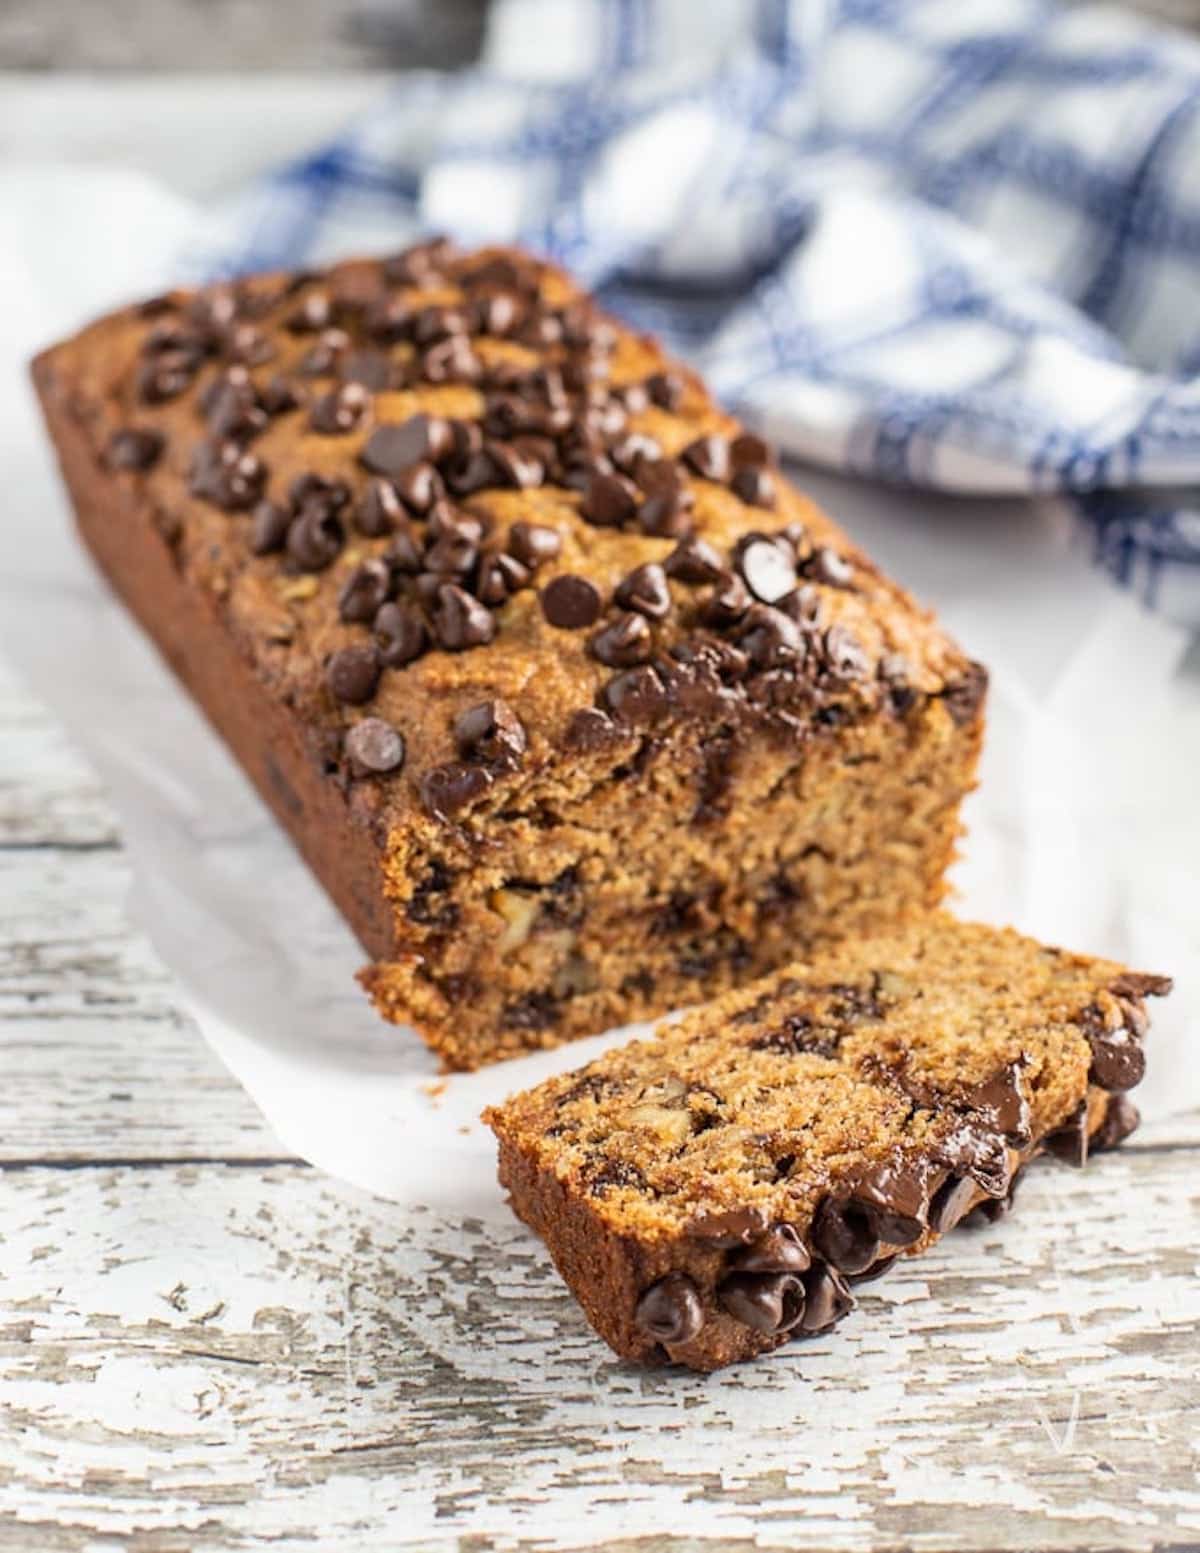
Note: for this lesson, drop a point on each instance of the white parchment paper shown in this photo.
(1085, 831)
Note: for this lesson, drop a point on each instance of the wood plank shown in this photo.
(205, 1358)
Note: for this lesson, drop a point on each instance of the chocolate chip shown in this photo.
(231, 408)
(1069, 1141)
(769, 638)
(754, 485)
(747, 450)
(779, 1250)
(134, 448)
(645, 591)
(827, 566)
(391, 449)
(770, 1303)
(534, 543)
(278, 396)
(636, 695)
(709, 457)
(447, 789)
(1003, 1102)
(497, 313)
(451, 361)
(1121, 1119)
(500, 576)
(375, 746)
(512, 466)
(589, 730)
(842, 658)
(609, 500)
(315, 537)
(368, 366)
(312, 315)
(365, 591)
(670, 1311)
(964, 697)
(419, 487)
(400, 634)
(768, 567)
(452, 554)
(166, 376)
(844, 1235)
(1137, 984)
(827, 1300)
(894, 1197)
(379, 511)
(389, 319)
(226, 475)
(729, 1227)
(1118, 1061)
(666, 513)
(694, 560)
(571, 603)
(491, 732)
(321, 359)
(339, 411)
(460, 621)
(352, 674)
(952, 1200)
(623, 642)
(406, 552)
(726, 604)
(269, 527)
(665, 390)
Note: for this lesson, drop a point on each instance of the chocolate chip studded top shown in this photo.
(799, 1134)
(412, 485)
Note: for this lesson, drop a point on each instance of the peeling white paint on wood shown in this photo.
(239, 1354)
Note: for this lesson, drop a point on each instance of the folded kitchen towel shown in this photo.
(946, 245)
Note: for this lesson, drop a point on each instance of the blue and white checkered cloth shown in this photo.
(947, 245)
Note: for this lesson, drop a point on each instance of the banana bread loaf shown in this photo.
(576, 707)
(715, 1192)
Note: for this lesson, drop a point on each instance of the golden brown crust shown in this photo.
(799, 1134)
(183, 427)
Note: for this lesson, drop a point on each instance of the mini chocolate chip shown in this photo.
(694, 560)
(379, 511)
(754, 485)
(375, 746)
(665, 390)
(765, 1302)
(534, 543)
(709, 457)
(365, 591)
(1118, 1061)
(500, 576)
(352, 674)
(963, 698)
(952, 1200)
(134, 448)
(269, 527)
(368, 366)
(827, 1300)
(460, 621)
(446, 789)
(1069, 1141)
(609, 500)
(636, 695)
(339, 411)
(670, 1311)
(623, 642)
(571, 603)
(400, 634)
(1121, 1119)
(779, 1250)
(391, 449)
(314, 538)
(491, 732)
(769, 568)
(645, 590)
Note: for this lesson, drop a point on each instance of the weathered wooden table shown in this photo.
(204, 1344)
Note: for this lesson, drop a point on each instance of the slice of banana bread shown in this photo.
(714, 1192)
(577, 708)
